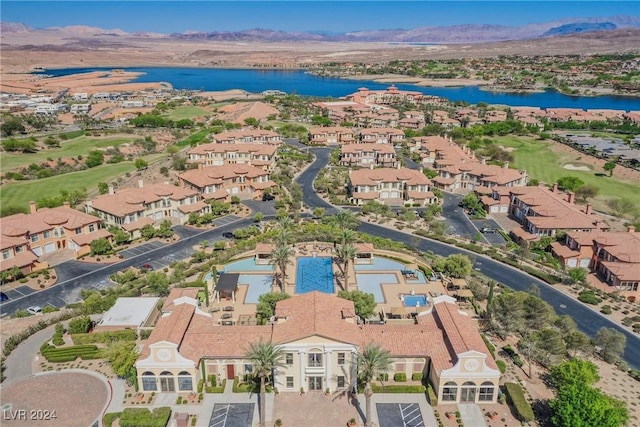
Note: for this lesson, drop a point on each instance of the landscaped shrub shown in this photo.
(416, 376)
(397, 388)
(110, 418)
(606, 309)
(383, 377)
(400, 377)
(491, 347)
(588, 297)
(502, 366)
(239, 387)
(145, 333)
(515, 395)
(105, 337)
(140, 417)
(80, 325)
(433, 397)
(69, 354)
(221, 388)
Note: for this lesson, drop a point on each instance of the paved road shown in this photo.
(588, 320)
(458, 222)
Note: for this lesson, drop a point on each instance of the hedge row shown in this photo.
(140, 417)
(491, 347)
(400, 377)
(398, 388)
(105, 337)
(219, 389)
(515, 393)
(69, 354)
(15, 340)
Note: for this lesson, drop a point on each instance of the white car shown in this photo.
(34, 309)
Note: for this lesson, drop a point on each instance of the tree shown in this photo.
(609, 167)
(281, 257)
(95, 158)
(80, 325)
(537, 313)
(611, 343)
(100, 246)
(265, 358)
(120, 237)
(140, 164)
(346, 252)
(621, 207)
(578, 275)
(577, 405)
(455, 265)
(570, 183)
(122, 356)
(103, 188)
(363, 302)
(318, 213)
(574, 371)
(587, 191)
(267, 305)
(507, 314)
(372, 362)
(148, 232)
(158, 283)
(577, 342)
(345, 219)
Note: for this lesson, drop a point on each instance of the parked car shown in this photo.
(227, 235)
(268, 197)
(146, 267)
(487, 230)
(3, 297)
(34, 309)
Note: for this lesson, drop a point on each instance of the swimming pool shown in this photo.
(385, 264)
(414, 300)
(314, 274)
(246, 264)
(258, 284)
(370, 283)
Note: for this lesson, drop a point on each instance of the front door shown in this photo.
(167, 384)
(468, 394)
(231, 372)
(315, 383)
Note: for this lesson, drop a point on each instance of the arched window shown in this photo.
(167, 382)
(468, 393)
(486, 392)
(450, 392)
(185, 382)
(149, 382)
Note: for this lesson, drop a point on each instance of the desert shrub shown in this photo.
(589, 297)
(140, 417)
(606, 309)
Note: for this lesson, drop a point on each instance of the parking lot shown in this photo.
(141, 249)
(18, 292)
(399, 414)
(495, 238)
(219, 222)
(232, 415)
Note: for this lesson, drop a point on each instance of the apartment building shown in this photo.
(251, 136)
(223, 182)
(378, 117)
(368, 155)
(392, 95)
(544, 212)
(134, 207)
(394, 187)
(612, 256)
(259, 155)
(27, 237)
(320, 338)
(381, 136)
(336, 135)
(412, 120)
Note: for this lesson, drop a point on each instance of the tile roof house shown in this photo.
(365, 155)
(381, 136)
(544, 212)
(223, 182)
(259, 155)
(27, 237)
(394, 187)
(320, 338)
(251, 136)
(134, 207)
(392, 95)
(336, 135)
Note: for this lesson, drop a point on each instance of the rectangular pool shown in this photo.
(258, 284)
(414, 300)
(370, 283)
(314, 274)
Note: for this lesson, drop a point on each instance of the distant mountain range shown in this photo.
(448, 34)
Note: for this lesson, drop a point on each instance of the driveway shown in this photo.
(494, 239)
(455, 217)
(266, 208)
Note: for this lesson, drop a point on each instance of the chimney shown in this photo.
(371, 166)
(66, 205)
(484, 160)
(555, 187)
(588, 210)
(398, 165)
(111, 191)
(32, 207)
(570, 197)
(506, 165)
(631, 229)
(140, 183)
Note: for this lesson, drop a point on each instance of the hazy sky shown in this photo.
(180, 16)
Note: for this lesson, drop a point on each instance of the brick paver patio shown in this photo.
(77, 399)
(315, 409)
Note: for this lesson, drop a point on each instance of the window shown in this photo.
(149, 382)
(46, 234)
(6, 254)
(289, 382)
(248, 368)
(486, 392)
(184, 381)
(19, 249)
(79, 230)
(341, 382)
(315, 360)
(35, 238)
(289, 359)
(92, 228)
(450, 392)
(340, 358)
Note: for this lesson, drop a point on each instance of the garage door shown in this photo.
(49, 247)
(37, 250)
(158, 215)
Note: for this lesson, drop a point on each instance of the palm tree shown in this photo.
(280, 257)
(347, 236)
(345, 219)
(285, 223)
(372, 362)
(346, 252)
(265, 357)
(283, 237)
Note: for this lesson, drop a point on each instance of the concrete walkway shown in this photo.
(471, 415)
(21, 359)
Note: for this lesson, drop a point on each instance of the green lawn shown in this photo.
(71, 148)
(186, 112)
(19, 193)
(543, 163)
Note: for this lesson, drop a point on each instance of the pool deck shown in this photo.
(391, 292)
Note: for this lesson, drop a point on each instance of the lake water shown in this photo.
(298, 82)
